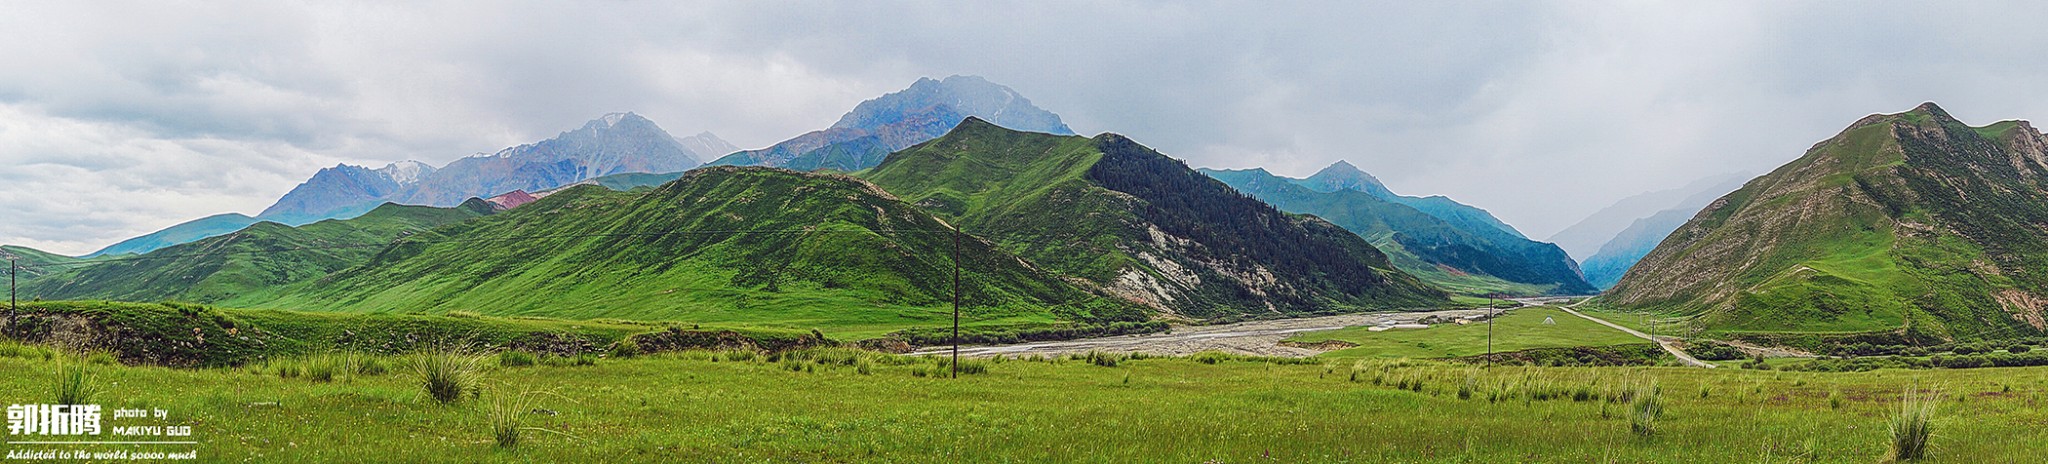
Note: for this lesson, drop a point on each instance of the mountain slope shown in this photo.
(1910, 224)
(926, 110)
(613, 144)
(1343, 176)
(824, 251)
(1624, 248)
(183, 232)
(1440, 252)
(1585, 238)
(1143, 226)
(33, 262)
(245, 265)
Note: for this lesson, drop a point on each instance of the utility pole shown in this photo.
(11, 309)
(956, 303)
(1491, 308)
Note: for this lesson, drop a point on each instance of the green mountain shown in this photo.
(1137, 224)
(248, 265)
(727, 245)
(1910, 225)
(33, 262)
(1343, 176)
(1464, 258)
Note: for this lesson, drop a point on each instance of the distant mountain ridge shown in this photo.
(1344, 176)
(1614, 258)
(181, 233)
(1904, 228)
(924, 111)
(1472, 257)
(613, 144)
(1585, 238)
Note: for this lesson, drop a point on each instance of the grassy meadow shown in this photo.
(1515, 330)
(838, 405)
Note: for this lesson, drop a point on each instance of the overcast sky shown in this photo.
(120, 119)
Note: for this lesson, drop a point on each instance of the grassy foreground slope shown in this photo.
(1143, 226)
(1905, 227)
(1473, 259)
(715, 407)
(724, 245)
(247, 265)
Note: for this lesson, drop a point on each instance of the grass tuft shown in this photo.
(1913, 425)
(1645, 406)
(75, 383)
(447, 375)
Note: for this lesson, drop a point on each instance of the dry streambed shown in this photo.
(1260, 338)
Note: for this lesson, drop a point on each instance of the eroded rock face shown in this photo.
(1899, 216)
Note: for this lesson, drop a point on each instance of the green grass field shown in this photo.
(686, 407)
(1519, 329)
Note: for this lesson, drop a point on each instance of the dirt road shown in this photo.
(1666, 343)
(1256, 337)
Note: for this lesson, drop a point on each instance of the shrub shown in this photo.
(1102, 359)
(2019, 348)
(1712, 351)
(625, 348)
(1912, 426)
(447, 375)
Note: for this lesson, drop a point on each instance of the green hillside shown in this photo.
(1143, 226)
(248, 265)
(1905, 227)
(1463, 259)
(728, 245)
(33, 262)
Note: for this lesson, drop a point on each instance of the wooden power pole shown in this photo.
(956, 303)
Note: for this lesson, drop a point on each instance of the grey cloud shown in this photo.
(1540, 112)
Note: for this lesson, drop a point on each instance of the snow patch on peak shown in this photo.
(406, 172)
(612, 119)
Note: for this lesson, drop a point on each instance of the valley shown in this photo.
(798, 302)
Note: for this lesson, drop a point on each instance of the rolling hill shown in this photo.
(246, 266)
(1145, 227)
(1473, 258)
(1904, 227)
(719, 245)
(33, 262)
